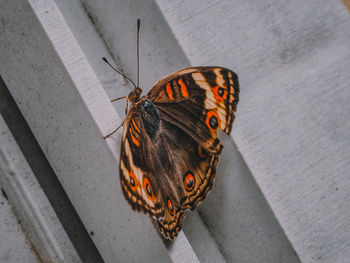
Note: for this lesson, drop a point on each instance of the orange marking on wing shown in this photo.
(134, 183)
(134, 140)
(148, 189)
(217, 95)
(189, 181)
(212, 121)
(169, 91)
(184, 91)
(202, 152)
(135, 126)
(170, 207)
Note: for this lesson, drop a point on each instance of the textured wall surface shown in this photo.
(34, 217)
(15, 247)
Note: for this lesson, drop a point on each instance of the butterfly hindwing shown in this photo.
(187, 174)
(136, 168)
(149, 160)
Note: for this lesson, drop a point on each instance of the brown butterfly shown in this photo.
(170, 148)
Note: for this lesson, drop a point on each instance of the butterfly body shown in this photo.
(170, 147)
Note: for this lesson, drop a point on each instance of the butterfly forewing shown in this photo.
(206, 94)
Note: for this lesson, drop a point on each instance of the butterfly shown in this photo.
(170, 148)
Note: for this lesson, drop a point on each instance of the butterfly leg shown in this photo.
(118, 99)
(110, 134)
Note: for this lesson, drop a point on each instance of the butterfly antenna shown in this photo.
(138, 51)
(105, 60)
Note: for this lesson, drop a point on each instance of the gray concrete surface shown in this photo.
(38, 222)
(14, 246)
(47, 179)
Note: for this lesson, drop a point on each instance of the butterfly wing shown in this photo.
(136, 166)
(193, 105)
(147, 171)
(200, 100)
(191, 175)
(179, 172)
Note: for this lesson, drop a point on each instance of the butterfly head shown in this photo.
(134, 95)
